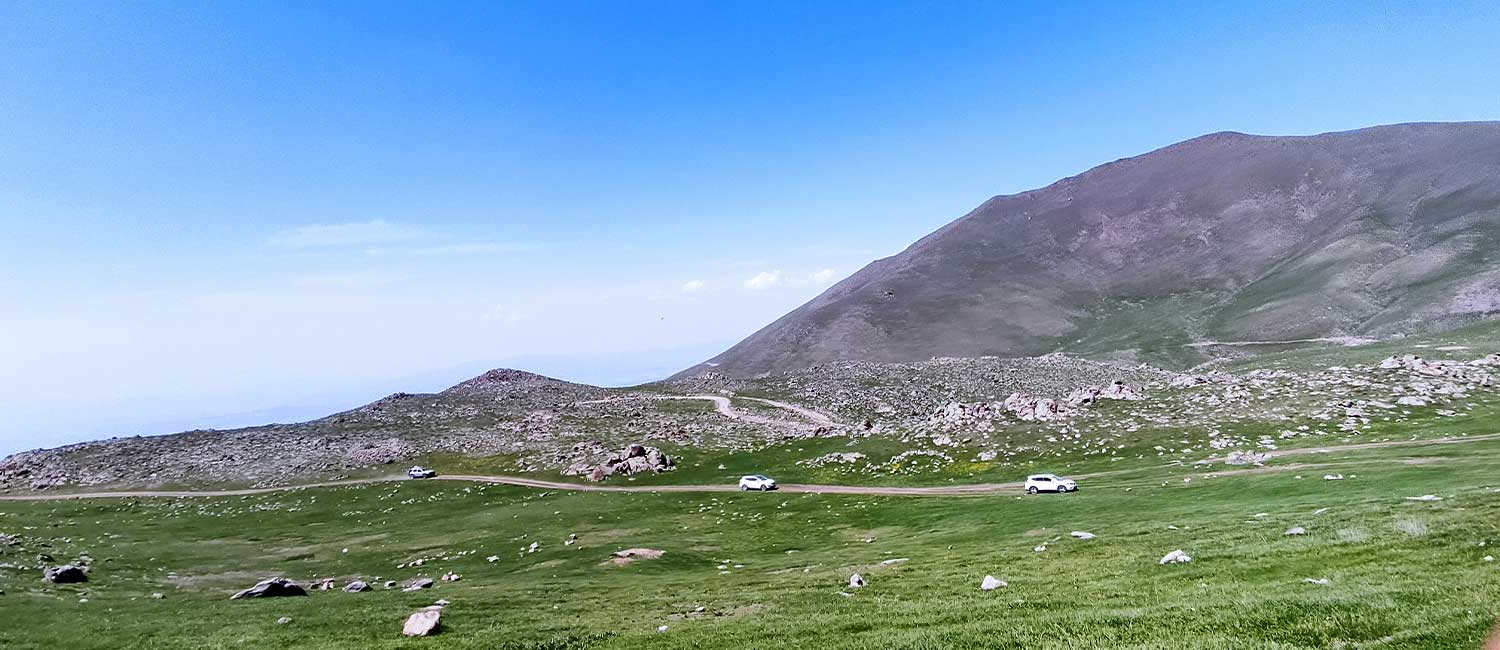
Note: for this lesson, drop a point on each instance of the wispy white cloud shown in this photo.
(763, 280)
(357, 233)
(451, 250)
(693, 286)
(825, 276)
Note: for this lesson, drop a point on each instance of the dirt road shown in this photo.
(726, 408)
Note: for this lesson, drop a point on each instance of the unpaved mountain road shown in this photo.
(725, 407)
(974, 489)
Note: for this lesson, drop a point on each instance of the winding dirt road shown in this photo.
(974, 489)
(726, 408)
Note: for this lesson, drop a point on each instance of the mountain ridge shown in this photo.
(1380, 230)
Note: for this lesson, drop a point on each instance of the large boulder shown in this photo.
(423, 623)
(356, 587)
(65, 574)
(273, 588)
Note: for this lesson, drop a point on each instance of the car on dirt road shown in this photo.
(757, 482)
(1049, 483)
(421, 472)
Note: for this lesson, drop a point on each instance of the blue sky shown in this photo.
(217, 213)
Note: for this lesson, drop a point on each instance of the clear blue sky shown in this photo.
(217, 212)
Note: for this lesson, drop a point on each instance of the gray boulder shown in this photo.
(424, 622)
(356, 587)
(419, 584)
(273, 588)
(65, 574)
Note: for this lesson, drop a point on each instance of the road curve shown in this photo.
(973, 489)
(726, 409)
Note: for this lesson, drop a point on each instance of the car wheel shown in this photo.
(744, 489)
(763, 488)
(1031, 490)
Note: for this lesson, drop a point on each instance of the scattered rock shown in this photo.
(283, 620)
(1296, 530)
(856, 581)
(273, 588)
(1425, 497)
(423, 623)
(1082, 535)
(1316, 581)
(1176, 557)
(356, 587)
(419, 584)
(991, 583)
(1245, 458)
(1333, 477)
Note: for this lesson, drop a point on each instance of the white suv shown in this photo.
(757, 482)
(1049, 483)
(421, 472)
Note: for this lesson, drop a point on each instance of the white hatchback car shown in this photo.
(757, 482)
(1049, 483)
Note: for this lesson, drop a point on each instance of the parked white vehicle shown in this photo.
(757, 482)
(421, 472)
(1049, 483)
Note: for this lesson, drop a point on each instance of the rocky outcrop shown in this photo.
(1028, 408)
(634, 459)
(1118, 390)
(1464, 372)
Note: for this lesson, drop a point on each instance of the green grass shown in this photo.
(1403, 574)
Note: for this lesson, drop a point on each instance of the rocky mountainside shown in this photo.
(1226, 237)
(540, 420)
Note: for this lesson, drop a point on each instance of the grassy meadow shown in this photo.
(771, 570)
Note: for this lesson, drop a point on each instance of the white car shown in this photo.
(421, 472)
(1049, 483)
(757, 482)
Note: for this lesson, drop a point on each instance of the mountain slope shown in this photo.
(1223, 237)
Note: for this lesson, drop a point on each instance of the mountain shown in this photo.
(1226, 237)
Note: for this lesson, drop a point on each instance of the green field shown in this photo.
(1401, 574)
